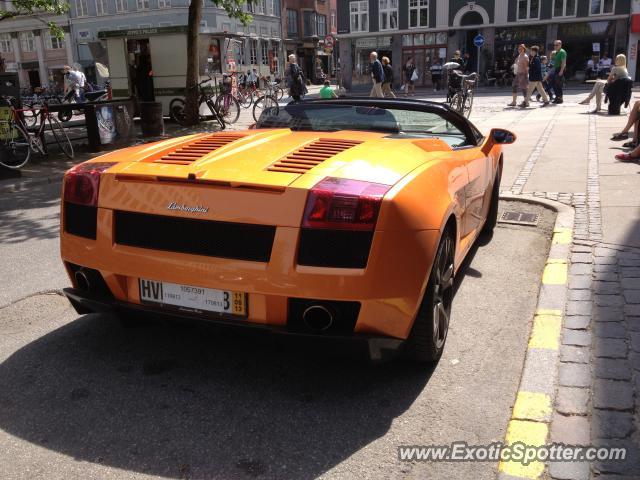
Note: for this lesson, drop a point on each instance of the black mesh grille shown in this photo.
(199, 237)
(334, 248)
(80, 220)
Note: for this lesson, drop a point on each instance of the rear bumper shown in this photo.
(377, 347)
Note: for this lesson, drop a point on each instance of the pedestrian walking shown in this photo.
(410, 76)
(436, 74)
(377, 75)
(295, 79)
(458, 59)
(520, 77)
(535, 77)
(559, 65)
(388, 78)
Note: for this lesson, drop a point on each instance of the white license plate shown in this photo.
(196, 299)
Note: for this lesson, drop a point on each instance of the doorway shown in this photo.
(140, 69)
(34, 78)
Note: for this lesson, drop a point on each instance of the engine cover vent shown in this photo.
(194, 151)
(312, 154)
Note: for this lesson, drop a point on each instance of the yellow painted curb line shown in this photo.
(532, 406)
(531, 434)
(555, 272)
(545, 333)
(562, 236)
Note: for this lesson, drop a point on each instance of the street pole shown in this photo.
(478, 61)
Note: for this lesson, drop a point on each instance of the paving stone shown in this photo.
(580, 281)
(634, 361)
(572, 400)
(574, 375)
(604, 268)
(578, 338)
(573, 430)
(581, 249)
(604, 252)
(605, 260)
(632, 272)
(612, 368)
(581, 258)
(632, 310)
(569, 470)
(579, 269)
(611, 424)
(578, 308)
(606, 276)
(633, 323)
(628, 469)
(612, 394)
(610, 348)
(583, 294)
(630, 296)
(634, 341)
(572, 354)
(629, 262)
(608, 300)
(630, 283)
(577, 322)
(608, 314)
(606, 288)
(610, 329)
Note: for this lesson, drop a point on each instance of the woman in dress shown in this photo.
(295, 79)
(521, 77)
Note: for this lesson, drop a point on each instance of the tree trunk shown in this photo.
(192, 93)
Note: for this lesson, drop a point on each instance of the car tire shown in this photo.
(429, 332)
(492, 215)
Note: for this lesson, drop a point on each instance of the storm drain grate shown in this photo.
(520, 218)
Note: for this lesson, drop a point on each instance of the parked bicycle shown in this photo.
(177, 105)
(17, 143)
(268, 100)
(460, 90)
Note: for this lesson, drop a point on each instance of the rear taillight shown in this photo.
(344, 204)
(82, 183)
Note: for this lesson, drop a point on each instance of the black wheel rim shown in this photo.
(442, 292)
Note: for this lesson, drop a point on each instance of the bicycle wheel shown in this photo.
(30, 116)
(245, 100)
(279, 93)
(65, 115)
(457, 103)
(176, 111)
(14, 150)
(228, 107)
(262, 103)
(61, 137)
(468, 104)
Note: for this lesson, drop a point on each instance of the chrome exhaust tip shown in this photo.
(82, 281)
(317, 318)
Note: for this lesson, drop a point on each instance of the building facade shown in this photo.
(258, 45)
(305, 26)
(428, 29)
(28, 48)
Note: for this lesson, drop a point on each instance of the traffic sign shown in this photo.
(478, 40)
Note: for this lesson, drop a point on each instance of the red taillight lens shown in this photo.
(344, 204)
(82, 183)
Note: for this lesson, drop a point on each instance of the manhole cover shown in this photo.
(520, 218)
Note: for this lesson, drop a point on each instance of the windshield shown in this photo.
(328, 118)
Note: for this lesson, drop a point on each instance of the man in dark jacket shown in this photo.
(377, 75)
(535, 77)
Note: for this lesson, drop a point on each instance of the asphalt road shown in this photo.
(83, 397)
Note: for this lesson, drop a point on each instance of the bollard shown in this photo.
(151, 119)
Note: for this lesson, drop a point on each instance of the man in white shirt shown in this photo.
(82, 82)
(72, 82)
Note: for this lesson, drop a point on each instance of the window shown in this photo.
(322, 26)
(258, 7)
(101, 7)
(164, 3)
(82, 10)
(276, 8)
(602, 7)
(528, 9)
(418, 13)
(388, 14)
(333, 21)
(254, 51)
(165, 24)
(203, 23)
(292, 23)
(5, 43)
(226, 27)
(309, 24)
(143, 4)
(241, 53)
(121, 6)
(359, 16)
(265, 52)
(51, 42)
(27, 41)
(564, 8)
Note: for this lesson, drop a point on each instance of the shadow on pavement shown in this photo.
(185, 401)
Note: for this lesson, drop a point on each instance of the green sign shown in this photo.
(7, 129)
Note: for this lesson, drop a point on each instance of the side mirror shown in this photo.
(503, 137)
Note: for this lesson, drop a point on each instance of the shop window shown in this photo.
(27, 41)
(121, 6)
(143, 4)
(602, 7)
(51, 42)
(164, 3)
(359, 16)
(101, 7)
(292, 23)
(309, 24)
(388, 14)
(253, 51)
(258, 7)
(418, 13)
(322, 26)
(82, 9)
(564, 8)
(5, 43)
(265, 53)
(528, 9)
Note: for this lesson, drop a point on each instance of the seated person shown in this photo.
(619, 71)
(327, 92)
(592, 67)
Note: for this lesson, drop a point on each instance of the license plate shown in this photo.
(193, 299)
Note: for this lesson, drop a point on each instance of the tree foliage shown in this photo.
(38, 9)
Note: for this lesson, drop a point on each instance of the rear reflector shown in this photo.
(344, 204)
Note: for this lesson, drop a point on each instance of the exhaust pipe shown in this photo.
(318, 318)
(82, 281)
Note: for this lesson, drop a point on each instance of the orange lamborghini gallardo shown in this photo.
(345, 219)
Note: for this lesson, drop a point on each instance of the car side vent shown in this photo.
(194, 151)
(312, 154)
